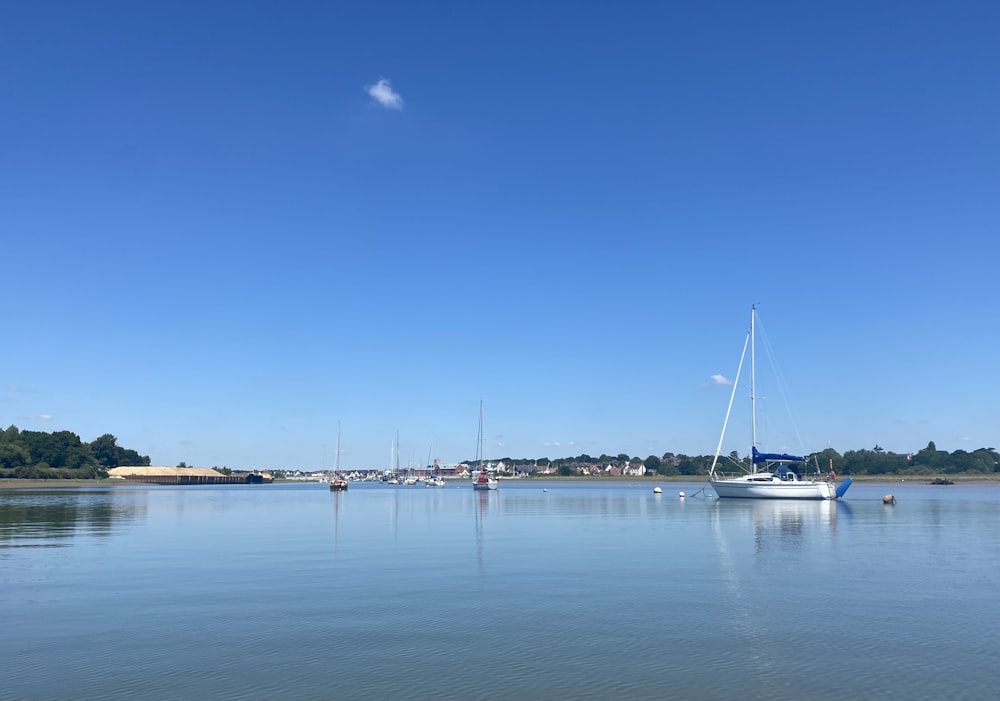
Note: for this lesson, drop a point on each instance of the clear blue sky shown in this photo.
(225, 226)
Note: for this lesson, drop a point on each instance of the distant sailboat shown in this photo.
(483, 480)
(772, 475)
(338, 483)
(391, 473)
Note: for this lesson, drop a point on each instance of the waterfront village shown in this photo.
(432, 475)
(439, 471)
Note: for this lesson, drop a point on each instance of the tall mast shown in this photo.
(338, 447)
(479, 448)
(753, 393)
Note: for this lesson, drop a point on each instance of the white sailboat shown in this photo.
(484, 480)
(772, 475)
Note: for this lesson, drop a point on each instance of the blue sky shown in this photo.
(227, 226)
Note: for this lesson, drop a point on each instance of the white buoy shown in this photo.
(545, 490)
(889, 499)
(657, 490)
(682, 495)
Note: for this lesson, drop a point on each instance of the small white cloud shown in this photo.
(552, 444)
(721, 380)
(383, 94)
(45, 417)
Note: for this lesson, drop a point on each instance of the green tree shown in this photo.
(931, 458)
(13, 455)
(30, 472)
(668, 465)
(78, 456)
(692, 466)
(106, 451)
(52, 448)
(653, 464)
(127, 456)
(985, 460)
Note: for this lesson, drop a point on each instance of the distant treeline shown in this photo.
(61, 455)
(876, 461)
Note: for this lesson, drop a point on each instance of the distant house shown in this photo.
(445, 470)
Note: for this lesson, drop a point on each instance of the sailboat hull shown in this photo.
(758, 487)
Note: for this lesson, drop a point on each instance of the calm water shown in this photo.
(581, 592)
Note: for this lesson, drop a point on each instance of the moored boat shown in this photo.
(484, 480)
(338, 483)
(771, 475)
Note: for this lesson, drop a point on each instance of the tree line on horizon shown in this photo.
(876, 461)
(61, 455)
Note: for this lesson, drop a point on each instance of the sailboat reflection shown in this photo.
(482, 502)
(783, 523)
(337, 496)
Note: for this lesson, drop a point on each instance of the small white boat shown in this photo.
(772, 475)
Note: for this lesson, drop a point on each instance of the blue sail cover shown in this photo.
(759, 457)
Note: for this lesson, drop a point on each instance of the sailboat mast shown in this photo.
(753, 391)
(479, 448)
(337, 470)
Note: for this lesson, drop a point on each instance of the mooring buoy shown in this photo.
(657, 490)
(889, 499)
(681, 495)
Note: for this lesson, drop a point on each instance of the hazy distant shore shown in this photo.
(914, 479)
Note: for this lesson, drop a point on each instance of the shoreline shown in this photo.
(15, 483)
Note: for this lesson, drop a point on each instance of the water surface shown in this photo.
(583, 591)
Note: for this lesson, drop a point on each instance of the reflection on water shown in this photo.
(778, 523)
(782, 524)
(482, 499)
(335, 497)
(53, 518)
(583, 592)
